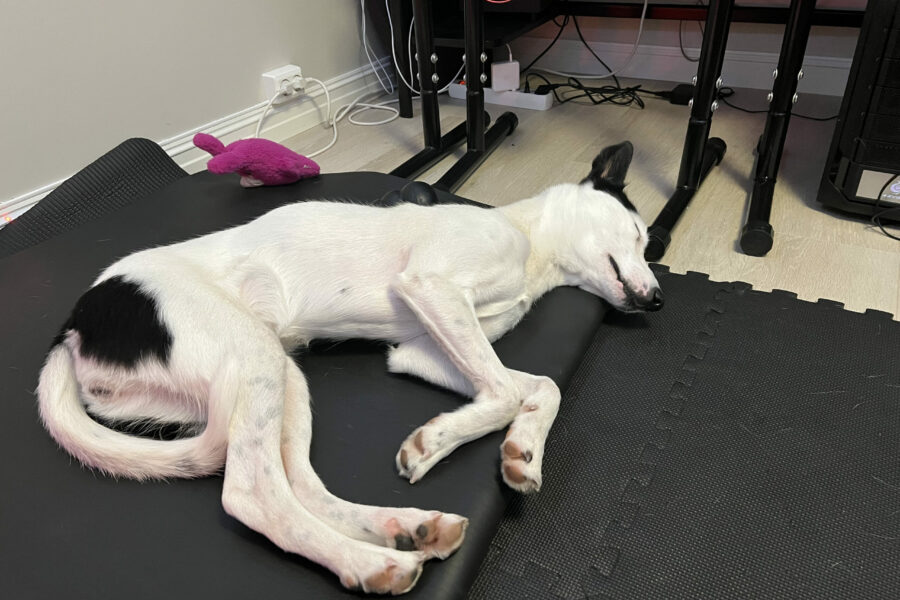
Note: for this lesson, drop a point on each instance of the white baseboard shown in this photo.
(282, 122)
(822, 74)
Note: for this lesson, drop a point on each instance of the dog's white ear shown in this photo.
(611, 166)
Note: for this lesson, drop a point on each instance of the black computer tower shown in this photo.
(862, 173)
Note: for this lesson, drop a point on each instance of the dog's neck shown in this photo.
(542, 270)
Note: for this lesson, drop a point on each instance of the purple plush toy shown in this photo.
(259, 161)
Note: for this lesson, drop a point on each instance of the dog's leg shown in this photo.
(423, 358)
(523, 450)
(256, 489)
(434, 533)
(522, 453)
(449, 317)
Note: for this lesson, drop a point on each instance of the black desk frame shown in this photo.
(700, 152)
(481, 141)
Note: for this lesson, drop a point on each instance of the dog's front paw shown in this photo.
(520, 470)
(419, 453)
(396, 574)
(438, 536)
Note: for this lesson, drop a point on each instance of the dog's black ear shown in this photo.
(611, 165)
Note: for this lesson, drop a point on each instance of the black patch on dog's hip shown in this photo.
(119, 324)
(165, 431)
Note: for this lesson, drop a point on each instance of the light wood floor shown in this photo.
(817, 253)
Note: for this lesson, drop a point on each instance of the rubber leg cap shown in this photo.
(757, 238)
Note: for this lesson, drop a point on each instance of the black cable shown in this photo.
(699, 24)
(793, 114)
(681, 38)
(614, 94)
(606, 94)
(549, 85)
(726, 92)
(681, 43)
(876, 218)
(558, 33)
(591, 50)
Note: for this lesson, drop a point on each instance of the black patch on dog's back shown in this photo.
(119, 324)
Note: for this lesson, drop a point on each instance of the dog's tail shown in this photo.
(120, 454)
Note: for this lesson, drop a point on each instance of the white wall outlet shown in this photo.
(288, 77)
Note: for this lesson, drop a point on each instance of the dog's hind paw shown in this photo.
(520, 471)
(439, 536)
(391, 576)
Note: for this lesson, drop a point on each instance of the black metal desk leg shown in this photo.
(473, 18)
(400, 16)
(480, 143)
(700, 152)
(425, 59)
(757, 236)
(436, 146)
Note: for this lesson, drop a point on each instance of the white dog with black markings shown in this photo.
(197, 332)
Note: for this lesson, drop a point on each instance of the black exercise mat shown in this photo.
(66, 532)
(737, 444)
(130, 171)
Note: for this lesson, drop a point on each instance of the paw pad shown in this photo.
(512, 451)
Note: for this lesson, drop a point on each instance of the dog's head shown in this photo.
(607, 237)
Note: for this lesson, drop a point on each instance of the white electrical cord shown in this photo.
(409, 52)
(284, 91)
(327, 117)
(365, 40)
(352, 110)
(345, 111)
(634, 48)
(348, 111)
(452, 79)
(364, 106)
(394, 53)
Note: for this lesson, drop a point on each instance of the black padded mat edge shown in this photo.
(737, 444)
(131, 170)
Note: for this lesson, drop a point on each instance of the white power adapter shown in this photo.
(505, 75)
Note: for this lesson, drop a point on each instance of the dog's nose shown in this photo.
(656, 300)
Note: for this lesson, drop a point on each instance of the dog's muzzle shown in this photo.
(653, 301)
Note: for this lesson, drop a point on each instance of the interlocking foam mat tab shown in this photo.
(737, 444)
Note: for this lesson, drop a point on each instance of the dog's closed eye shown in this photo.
(615, 267)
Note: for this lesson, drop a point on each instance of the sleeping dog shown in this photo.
(199, 332)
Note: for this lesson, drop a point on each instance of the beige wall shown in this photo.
(80, 76)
